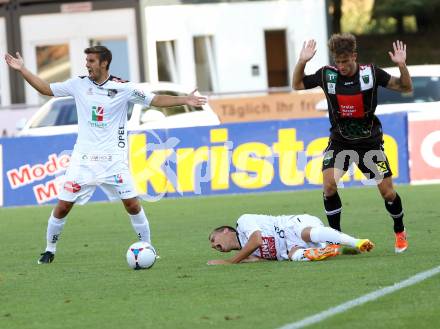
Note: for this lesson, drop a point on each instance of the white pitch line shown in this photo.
(362, 300)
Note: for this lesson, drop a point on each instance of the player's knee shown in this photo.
(133, 207)
(388, 194)
(330, 188)
(62, 209)
(305, 234)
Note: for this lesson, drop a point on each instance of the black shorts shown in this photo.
(372, 161)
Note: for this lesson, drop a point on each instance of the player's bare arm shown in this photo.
(17, 64)
(398, 56)
(255, 241)
(253, 259)
(192, 99)
(307, 52)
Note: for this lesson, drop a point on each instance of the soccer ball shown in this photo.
(141, 255)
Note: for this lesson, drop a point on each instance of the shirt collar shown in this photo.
(238, 238)
(100, 84)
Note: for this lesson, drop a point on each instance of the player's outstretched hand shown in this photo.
(16, 63)
(196, 100)
(308, 51)
(399, 54)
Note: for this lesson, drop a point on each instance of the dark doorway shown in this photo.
(276, 58)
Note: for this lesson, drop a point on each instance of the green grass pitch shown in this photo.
(89, 285)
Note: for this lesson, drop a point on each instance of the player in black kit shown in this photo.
(355, 133)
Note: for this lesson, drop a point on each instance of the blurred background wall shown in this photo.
(229, 49)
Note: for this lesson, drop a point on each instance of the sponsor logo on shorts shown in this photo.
(72, 187)
(97, 157)
(327, 157)
(268, 250)
(124, 192)
(382, 167)
(118, 179)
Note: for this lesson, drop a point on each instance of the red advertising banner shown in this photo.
(424, 149)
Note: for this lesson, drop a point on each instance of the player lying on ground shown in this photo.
(290, 237)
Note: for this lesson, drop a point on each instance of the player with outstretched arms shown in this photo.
(99, 157)
(356, 134)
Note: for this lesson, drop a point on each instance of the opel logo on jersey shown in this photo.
(121, 137)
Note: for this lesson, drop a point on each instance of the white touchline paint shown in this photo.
(362, 300)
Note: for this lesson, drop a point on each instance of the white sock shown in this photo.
(298, 256)
(329, 235)
(141, 226)
(54, 228)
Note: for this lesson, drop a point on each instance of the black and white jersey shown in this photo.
(351, 102)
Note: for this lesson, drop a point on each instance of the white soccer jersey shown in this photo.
(280, 233)
(102, 112)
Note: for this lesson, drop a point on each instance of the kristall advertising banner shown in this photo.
(249, 157)
(231, 158)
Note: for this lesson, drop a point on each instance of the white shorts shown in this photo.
(86, 172)
(295, 225)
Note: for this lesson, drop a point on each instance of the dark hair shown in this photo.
(220, 229)
(341, 44)
(104, 53)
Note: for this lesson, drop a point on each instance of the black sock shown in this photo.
(396, 212)
(333, 207)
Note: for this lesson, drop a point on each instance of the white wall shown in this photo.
(76, 29)
(4, 69)
(238, 30)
